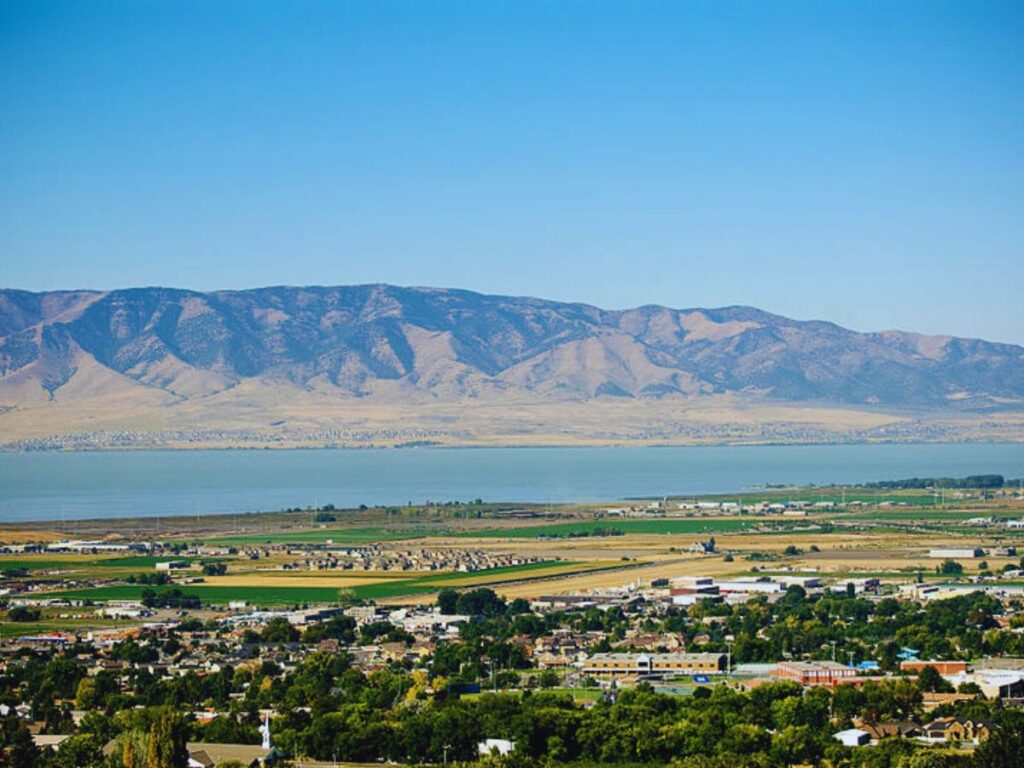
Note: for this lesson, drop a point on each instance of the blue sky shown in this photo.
(861, 162)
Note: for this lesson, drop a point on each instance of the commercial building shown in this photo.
(762, 585)
(828, 673)
(622, 664)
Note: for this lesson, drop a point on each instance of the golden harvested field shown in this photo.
(15, 536)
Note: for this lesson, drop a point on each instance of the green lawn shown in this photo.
(658, 526)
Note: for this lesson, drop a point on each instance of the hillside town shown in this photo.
(837, 666)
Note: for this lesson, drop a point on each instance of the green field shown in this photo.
(50, 626)
(74, 562)
(914, 515)
(322, 536)
(276, 595)
(50, 564)
(145, 561)
(659, 526)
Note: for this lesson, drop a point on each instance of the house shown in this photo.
(906, 729)
(703, 547)
(208, 754)
(202, 755)
(53, 742)
(957, 729)
(852, 737)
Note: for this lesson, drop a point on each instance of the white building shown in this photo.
(751, 584)
(853, 737)
(949, 553)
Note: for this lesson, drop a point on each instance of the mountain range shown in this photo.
(289, 365)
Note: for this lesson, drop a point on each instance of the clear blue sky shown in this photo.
(856, 161)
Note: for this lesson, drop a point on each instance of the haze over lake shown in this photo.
(52, 486)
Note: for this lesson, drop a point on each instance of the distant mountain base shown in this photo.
(286, 419)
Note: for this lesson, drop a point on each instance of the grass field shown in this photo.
(49, 564)
(213, 594)
(916, 514)
(322, 536)
(47, 627)
(73, 562)
(628, 527)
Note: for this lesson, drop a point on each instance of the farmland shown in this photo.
(408, 554)
(321, 535)
(254, 589)
(623, 527)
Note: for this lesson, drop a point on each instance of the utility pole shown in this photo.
(833, 650)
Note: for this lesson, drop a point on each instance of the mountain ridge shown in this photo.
(383, 345)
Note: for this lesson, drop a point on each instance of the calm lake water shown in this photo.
(49, 486)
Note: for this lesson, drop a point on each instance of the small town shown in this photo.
(798, 664)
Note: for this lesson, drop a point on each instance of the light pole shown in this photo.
(728, 658)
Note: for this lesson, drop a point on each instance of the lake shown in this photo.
(52, 486)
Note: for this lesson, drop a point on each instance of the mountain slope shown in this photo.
(381, 344)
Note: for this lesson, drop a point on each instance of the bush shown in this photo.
(23, 613)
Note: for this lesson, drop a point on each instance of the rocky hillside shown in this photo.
(382, 341)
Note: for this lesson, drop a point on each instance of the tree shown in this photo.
(950, 568)
(165, 746)
(930, 681)
(548, 679)
(79, 751)
(1005, 745)
(447, 599)
(480, 602)
(279, 630)
(85, 696)
(23, 613)
(16, 742)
